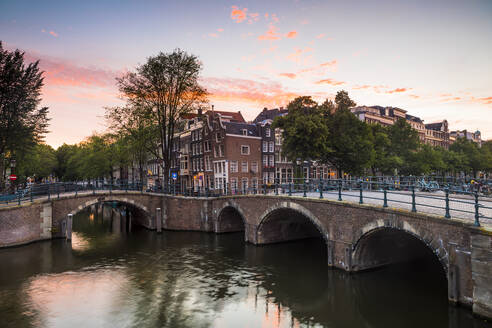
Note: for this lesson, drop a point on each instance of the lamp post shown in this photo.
(12, 170)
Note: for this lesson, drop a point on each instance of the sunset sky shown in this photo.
(431, 58)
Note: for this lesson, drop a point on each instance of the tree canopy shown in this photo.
(23, 122)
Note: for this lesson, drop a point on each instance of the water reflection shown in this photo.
(111, 277)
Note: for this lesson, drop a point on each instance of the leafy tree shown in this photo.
(343, 101)
(351, 143)
(305, 132)
(473, 159)
(22, 122)
(63, 154)
(384, 160)
(39, 162)
(134, 125)
(404, 143)
(165, 87)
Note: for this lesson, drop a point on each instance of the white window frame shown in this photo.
(245, 147)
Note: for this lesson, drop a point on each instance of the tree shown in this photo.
(351, 143)
(165, 88)
(22, 122)
(304, 130)
(404, 143)
(134, 125)
(343, 101)
(473, 159)
(39, 162)
(384, 160)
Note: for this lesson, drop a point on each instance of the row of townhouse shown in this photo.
(434, 134)
(219, 150)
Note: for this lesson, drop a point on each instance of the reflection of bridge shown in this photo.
(357, 236)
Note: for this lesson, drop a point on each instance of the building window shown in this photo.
(244, 184)
(233, 185)
(265, 146)
(244, 167)
(244, 150)
(218, 137)
(271, 162)
(265, 160)
(245, 132)
(254, 167)
(254, 183)
(233, 166)
(267, 132)
(271, 146)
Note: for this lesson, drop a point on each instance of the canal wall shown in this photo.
(353, 233)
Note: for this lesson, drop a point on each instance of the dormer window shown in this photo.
(245, 132)
(267, 132)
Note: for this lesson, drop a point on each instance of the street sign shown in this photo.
(174, 175)
(13, 177)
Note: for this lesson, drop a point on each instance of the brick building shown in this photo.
(435, 134)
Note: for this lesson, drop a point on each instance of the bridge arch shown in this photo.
(99, 200)
(230, 218)
(383, 242)
(287, 221)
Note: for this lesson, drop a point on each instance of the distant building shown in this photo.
(473, 136)
(435, 134)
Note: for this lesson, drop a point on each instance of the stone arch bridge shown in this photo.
(357, 236)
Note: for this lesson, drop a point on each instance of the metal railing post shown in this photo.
(447, 215)
(361, 200)
(290, 188)
(414, 207)
(19, 198)
(385, 191)
(30, 191)
(276, 187)
(76, 189)
(58, 190)
(304, 186)
(264, 189)
(49, 196)
(477, 214)
(340, 190)
(320, 189)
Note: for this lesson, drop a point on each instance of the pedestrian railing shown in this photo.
(447, 200)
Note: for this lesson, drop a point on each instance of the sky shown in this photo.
(431, 58)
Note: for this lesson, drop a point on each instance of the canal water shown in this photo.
(113, 276)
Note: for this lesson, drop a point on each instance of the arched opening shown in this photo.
(382, 247)
(229, 220)
(287, 224)
(416, 275)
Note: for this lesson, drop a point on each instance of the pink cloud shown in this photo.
(330, 82)
(238, 15)
(266, 93)
(320, 36)
(359, 87)
(253, 17)
(60, 72)
(398, 90)
(291, 34)
(297, 54)
(213, 35)
(220, 30)
(271, 34)
(289, 75)
(52, 33)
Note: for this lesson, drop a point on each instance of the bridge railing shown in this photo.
(410, 193)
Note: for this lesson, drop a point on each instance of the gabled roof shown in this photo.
(229, 116)
(237, 128)
(270, 114)
(413, 118)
